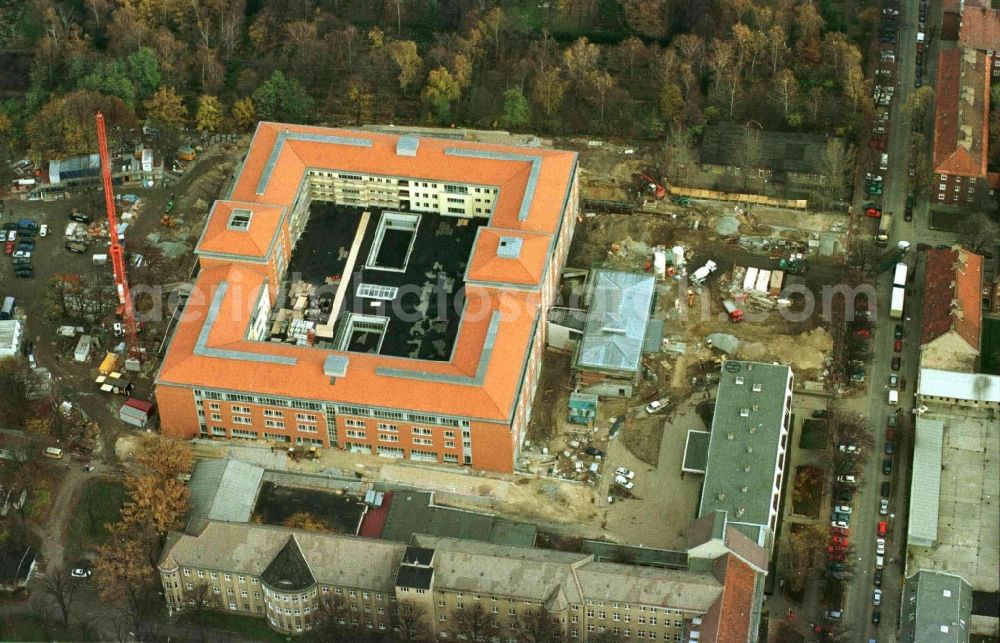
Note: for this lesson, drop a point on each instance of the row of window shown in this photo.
(258, 399)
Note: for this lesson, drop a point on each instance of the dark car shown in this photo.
(79, 217)
(878, 578)
(890, 420)
(885, 489)
(819, 413)
(886, 467)
(594, 451)
(896, 361)
(897, 346)
(24, 273)
(10, 225)
(876, 617)
(898, 332)
(908, 214)
(846, 496)
(27, 245)
(889, 448)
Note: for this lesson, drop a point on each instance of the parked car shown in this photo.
(24, 273)
(819, 413)
(898, 332)
(12, 235)
(876, 617)
(883, 507)
(885, 489)
(890, 420)
(80, 572)
(882, 528)
(654, 406)
(593, 451)
(834, 615)
(626, 473)
(23, 253)
(846, 496)
(622, 481)
(841, 524)
(848, 448)
(896, 362)
(839, 540)
(877, 597)
(893, 380)
(887, 466)
(880, 546)
(844, 509)
(879, 562)
(846, 479)
(79, 217)
(897, 346)
(878, 578)
(837, 567)
(8, 247)
(28, 245)
(889, 448)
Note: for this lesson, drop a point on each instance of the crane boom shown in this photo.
(116, 251)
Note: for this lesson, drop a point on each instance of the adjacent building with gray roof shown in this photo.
(223, 490)
(936, 608)
(925, 487)
(608, 357)
(747, 447)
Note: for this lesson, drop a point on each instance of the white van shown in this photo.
(879, 562)
(893, 397)
(54, 453)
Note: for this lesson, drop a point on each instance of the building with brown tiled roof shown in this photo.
(961, 126)
(979, 29)
(951, 315)
(293, 577)
(373, 292)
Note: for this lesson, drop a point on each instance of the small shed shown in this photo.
(136, 412)
(82, 352)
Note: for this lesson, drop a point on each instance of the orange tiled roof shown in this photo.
(951, 296)
(729, 619)
(218, 237)
(482, 379)
(980, 28)
(962, 103)
(524, 265)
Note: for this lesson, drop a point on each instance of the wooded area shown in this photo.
(631, 68)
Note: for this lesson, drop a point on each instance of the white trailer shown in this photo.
(896, 305)
(750, 279)
(899, 277)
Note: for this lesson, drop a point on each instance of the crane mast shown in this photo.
(117, 252)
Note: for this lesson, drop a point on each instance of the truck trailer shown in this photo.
(884, 227)
(896, 305)
(899, 276)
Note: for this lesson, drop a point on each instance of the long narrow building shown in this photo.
(376, 293)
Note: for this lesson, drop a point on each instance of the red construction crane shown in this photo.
(117, 252)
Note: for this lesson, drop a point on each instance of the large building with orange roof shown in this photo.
(378, 293)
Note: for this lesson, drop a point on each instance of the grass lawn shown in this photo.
(806, 501)
(247, 627)
(991, 346)
(27, 627)
(813, 435)
(946, 220)
(100, 504)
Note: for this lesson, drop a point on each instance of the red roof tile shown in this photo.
(980, 29)
(739, 580)
(951, 297)
(961, 118)
(374, 520)
(219, 238)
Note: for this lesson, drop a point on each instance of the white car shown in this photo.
(846, 479)
(883, 507)
(80, 572)
(22, 254)
(119, 329)
(880, 546)
(622, 481)
(44, 230)
(879, 562)
(654, 406)
(625, 473)
(844, 509)
(839, 523)
(12, 235)
(877, 597)
(849, 448)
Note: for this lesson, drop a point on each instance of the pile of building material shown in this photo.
(757, 287)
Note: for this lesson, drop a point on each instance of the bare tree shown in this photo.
(411, 622)
(204, 598)
(61, 588)
(749, 153)
(979, 232)
(838, 161)
(679, 151)
(477, 624)
(538, 626)
(862, 256)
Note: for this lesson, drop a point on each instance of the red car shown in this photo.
(836, 558)
(883, 527)
(834, 549)
(9, 248)
(837, 540)
(897, 345)
(873, 212)
(863, 332)
(840, 531)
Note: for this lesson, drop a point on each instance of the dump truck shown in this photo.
(734, 312)
(884, 227)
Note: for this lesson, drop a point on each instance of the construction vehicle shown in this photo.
(735, 314)
(701, 274)
(170, 204)
(884, 226)
(125, 308)
(682, 201)
(652, 186)
(794, 265)
(167, 221)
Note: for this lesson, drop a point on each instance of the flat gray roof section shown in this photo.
(745, 444)
(925, 489)
(414, 512)
(201, 345)
(960, 386)
(286, 135)
(615, 333)
(223, 490)
(696, 451)
(936, 606)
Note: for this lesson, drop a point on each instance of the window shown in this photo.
(392, 428)
(274, 424)
(217, 417)
(423, 441)
(357, 434)
(421, 431)
(615, 616)
(242, 420)
(305, 417)
(214, 406)
(243, 579)
(449, 434)
(189, 586)
(601, 615)
(241, 409)
(590, 613)
(243, 593)
(271, 413)
(201, 574)
(384, 437)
